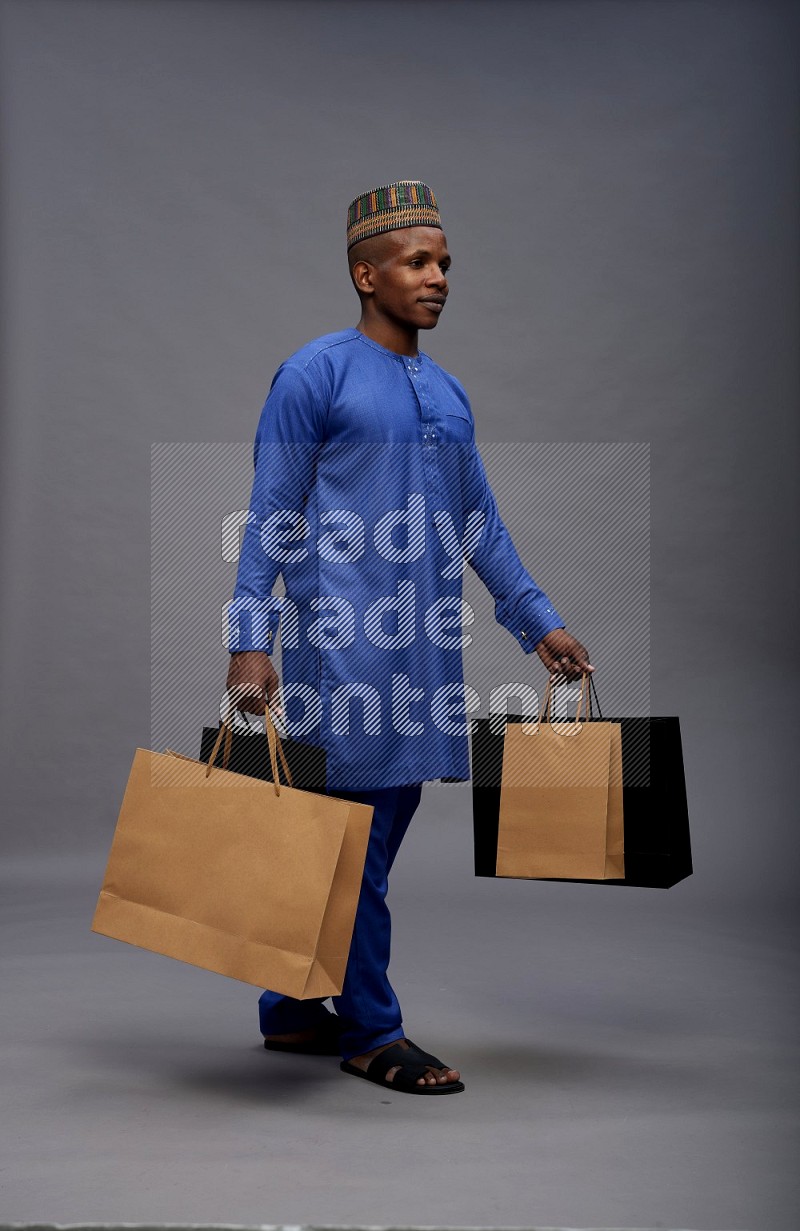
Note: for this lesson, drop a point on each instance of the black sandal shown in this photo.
(326, 1041)
(413, 1063)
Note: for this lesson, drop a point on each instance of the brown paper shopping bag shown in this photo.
(250, 879)
(561, 798)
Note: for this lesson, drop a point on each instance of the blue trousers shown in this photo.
(367, 1005)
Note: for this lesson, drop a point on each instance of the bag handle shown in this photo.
(273, 739)
(584, 699)
(592, 689)
(597, 699)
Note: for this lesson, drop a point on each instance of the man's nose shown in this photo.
(437, 276)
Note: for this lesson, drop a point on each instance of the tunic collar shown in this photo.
(405, 359)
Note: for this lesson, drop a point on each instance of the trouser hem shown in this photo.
(287, 1016)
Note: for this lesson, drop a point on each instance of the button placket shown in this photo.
(430, 438)
(427, 429)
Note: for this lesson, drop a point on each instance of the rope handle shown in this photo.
(275, 745)
(597, 699)
(584, 700)
(275, 739)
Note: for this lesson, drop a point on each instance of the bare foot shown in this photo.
(432, 1078)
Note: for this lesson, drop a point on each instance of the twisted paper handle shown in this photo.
(273, 739)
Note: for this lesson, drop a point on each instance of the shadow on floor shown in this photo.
(252, 1075)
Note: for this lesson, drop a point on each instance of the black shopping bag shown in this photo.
(655, 812)
(248, 753)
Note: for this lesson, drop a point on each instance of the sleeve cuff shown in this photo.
(251, 629)
(530, 627)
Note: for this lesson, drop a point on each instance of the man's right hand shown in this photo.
(251, 680)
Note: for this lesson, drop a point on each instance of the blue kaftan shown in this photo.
(369, 496)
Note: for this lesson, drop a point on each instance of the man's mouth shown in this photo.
(435, 303)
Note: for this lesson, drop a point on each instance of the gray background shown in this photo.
(619, 188)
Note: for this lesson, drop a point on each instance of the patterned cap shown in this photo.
(408, 203)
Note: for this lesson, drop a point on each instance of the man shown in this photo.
(370, 497)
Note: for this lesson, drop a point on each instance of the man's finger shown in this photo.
(547, 656)
(565, 669)
(249, 699)
(581, 657)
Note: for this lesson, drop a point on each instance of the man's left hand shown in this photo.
(563, 655)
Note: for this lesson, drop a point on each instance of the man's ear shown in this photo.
(362, 274)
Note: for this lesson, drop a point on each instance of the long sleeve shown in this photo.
(520, 606)
(289, 435)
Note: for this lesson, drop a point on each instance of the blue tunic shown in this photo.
(370, 497)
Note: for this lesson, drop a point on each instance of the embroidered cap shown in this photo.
(408, 203)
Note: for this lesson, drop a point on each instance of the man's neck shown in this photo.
(390, 335)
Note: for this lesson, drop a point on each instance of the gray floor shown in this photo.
(630, 1059)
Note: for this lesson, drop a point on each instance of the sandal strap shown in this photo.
(410, 1067)
(425, 1057)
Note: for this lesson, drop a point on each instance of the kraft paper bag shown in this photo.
(657, 838)
(561, 799)
(254, 880)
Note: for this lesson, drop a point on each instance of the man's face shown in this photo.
(404, 273)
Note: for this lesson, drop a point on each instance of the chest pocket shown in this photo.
(457, 426)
